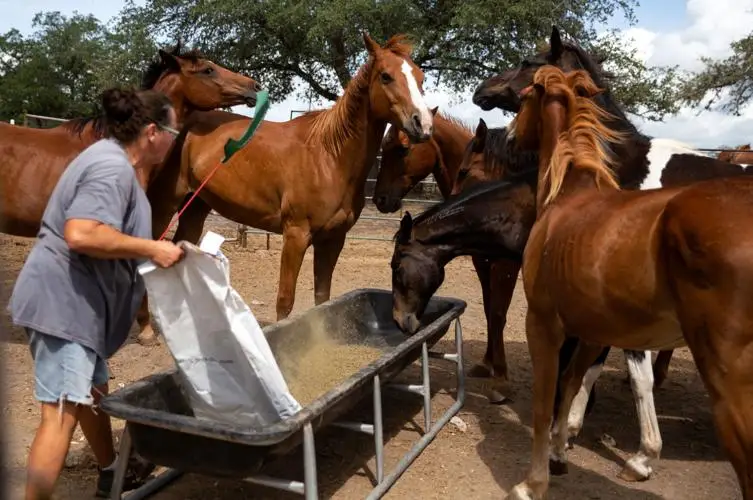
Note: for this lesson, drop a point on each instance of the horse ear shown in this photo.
(169, 60)
(434, 111)
(406, 227)
(370, 44)
(479, 138)
(555, 43)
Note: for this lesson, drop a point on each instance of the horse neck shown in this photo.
(451, 140)
(357, 154)
(171, 85)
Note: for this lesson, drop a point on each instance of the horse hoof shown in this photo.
(634, 473)
(497, 398)
(520, 492)
(557, 468)
(479, 371)
(148, 340)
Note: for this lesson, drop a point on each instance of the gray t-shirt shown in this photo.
(73, 296)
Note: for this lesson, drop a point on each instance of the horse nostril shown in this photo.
(257, 87)
(416, 121)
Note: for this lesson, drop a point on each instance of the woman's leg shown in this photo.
(63, 372)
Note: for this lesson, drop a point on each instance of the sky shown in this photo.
(667, 32)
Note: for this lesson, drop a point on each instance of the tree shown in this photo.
(457, 42)
(733, 75)
(52, 71)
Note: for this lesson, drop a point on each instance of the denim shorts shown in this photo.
(65, 370)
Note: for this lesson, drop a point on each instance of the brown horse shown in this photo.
(304, 178)
(672, 276)
(405, 164)
(32, 160)
(743, 155)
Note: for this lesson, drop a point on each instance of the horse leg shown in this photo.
(544, 339)
(502, 281)
(191, 222)
(584, 399)
(637, 468)
(162, 214)
(295, 241)
(483, 271)
(326, 252)
(661, 367)
(584, 359)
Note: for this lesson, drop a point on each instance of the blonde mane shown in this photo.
(584, 144)
(333, 127)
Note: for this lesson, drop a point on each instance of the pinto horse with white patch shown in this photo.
(580, 279)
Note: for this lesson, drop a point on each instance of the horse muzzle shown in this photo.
(408, 323)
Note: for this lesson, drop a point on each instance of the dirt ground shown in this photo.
(483, 461)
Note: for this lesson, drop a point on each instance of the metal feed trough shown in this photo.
(161, 428)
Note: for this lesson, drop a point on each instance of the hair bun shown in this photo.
(119, 105)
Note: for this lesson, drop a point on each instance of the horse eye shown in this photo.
(208, 71)
(386, 78)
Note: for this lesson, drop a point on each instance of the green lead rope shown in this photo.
(232, 146)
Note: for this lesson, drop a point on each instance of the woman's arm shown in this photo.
(93, 238)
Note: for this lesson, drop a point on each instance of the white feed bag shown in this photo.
(228, 370)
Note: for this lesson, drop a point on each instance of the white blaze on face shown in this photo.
(417, 98)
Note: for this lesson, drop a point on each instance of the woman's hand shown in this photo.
(166, 253)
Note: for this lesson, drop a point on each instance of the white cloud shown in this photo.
(711, 26)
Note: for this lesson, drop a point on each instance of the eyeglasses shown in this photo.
(169, 129)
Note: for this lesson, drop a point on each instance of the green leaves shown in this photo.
(733, 75)
(62, 66)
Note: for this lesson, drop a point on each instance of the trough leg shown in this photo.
(124, 454)
(309, 463)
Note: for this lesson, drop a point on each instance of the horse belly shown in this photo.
(662, 334)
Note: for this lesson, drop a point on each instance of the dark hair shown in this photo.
(127, 112)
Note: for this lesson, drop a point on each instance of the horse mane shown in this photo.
(336, 125)
(158, 67)
(604, 98)
(457, 203)
(584, 143)
(76, 126)
(456, 122)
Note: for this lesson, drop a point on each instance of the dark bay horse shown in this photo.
(304, 178)
(672, 276)
(32, 160)
(403, 165)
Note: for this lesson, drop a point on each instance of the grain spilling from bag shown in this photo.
(323, 358)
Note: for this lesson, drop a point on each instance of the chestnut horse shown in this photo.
(304, 178)
(580, 279)
(743, 155)
(32, 160)
(403, 165)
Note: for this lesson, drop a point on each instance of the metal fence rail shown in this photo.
(243, 231)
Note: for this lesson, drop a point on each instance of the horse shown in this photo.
(640, 270)
(403, 165)
(32, 160)
(304, 178)
(462, 225)
(742, 156)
